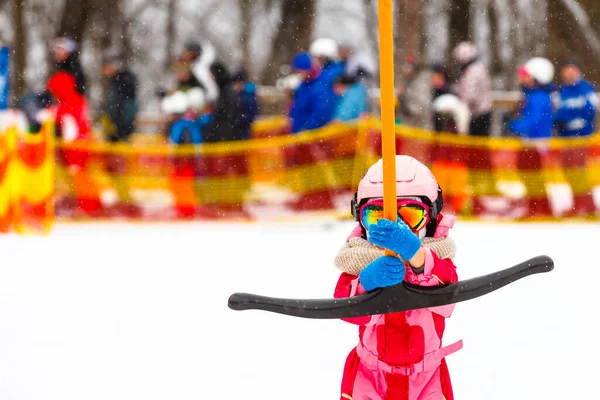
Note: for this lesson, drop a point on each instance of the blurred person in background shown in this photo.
(71, 111)
(360, 66)
(4, 75)
(325, 55)
(314, 100)
(66, 55)
(345, 52)
(450, 115)
(186, 80)
(201, 58)
(246, 91)
(120, 104)
(72, 126)
(173, 106)
(356, 63)
(577, 103)
(440, 85)
(473, 88)
(67, 60)
(535, 118)
(288, 85)
(414, 94)
(352, 88)
(227, 121)
(352, 98)
(187, 110)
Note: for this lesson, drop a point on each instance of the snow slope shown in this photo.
(127, 312)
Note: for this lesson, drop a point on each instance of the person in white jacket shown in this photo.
(202, 56)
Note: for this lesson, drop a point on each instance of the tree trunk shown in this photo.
(108, 35)
(245, 31)
(19, 49)
(481, 29)
(371, 27)
(460, 17)
(75, 18)
(171, 33)
(110, 26)
(294, 34)
(408, 40)
(503, 48)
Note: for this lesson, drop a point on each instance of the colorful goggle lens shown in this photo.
(413, 213)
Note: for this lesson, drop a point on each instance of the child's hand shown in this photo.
(385, 271)
(395, 236)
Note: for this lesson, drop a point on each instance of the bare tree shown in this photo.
(293, 35)
(371, 25)
(245, 31)
(127, 24)
(460, 14)
(76, 17)
(409, 35)
(171, 32)
(503, 52)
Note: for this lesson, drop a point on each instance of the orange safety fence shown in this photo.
(277, 174)
(26, 176)
(274, 174)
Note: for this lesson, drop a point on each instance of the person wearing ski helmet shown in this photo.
(577, 103)
(535, 120)
(325, 53)
(202, 57)
(66, 54)
(399, 355)
(314, 100)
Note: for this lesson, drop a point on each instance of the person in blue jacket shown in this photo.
(325, 54)
(536, 116)
(246, 91)
(352, 98)
(4, 76)
(314, 100)
(577, 103)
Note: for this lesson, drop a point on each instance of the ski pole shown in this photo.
(388, 132)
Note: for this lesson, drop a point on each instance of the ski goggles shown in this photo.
(414, 213)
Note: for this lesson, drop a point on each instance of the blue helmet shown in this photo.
(302, 62)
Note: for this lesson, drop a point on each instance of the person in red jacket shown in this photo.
(399, 356)
(72, 126)
(72, 112)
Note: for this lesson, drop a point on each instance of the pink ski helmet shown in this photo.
(413, 179)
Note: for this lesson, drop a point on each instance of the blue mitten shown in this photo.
(385, 271)
(395, 236)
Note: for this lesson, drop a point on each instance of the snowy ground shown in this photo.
(127, 312)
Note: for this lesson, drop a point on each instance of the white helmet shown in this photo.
(541, 69)
(451, 105)
(196, 99)
(360, 62)
(325, 47)
(465, 52)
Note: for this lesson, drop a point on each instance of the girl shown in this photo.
(399, 356)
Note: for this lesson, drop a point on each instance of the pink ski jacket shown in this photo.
(400, 356)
